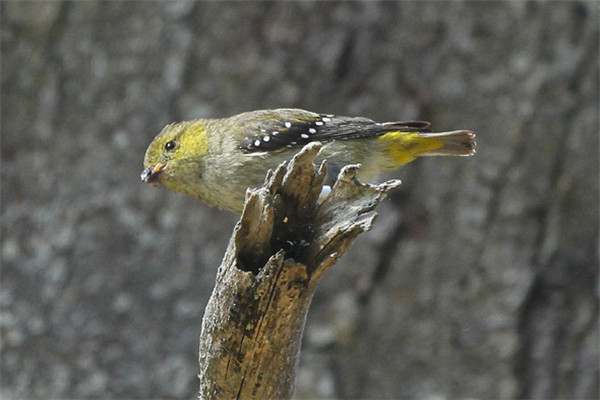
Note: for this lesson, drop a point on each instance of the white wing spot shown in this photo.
(274, 133)
(304, 136)
(326, 119)
(319, 123)
(288, 124)
(257, 142)
(312, 130)
(266, 138)
(261, 154)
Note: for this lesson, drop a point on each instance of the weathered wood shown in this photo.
(282, 245)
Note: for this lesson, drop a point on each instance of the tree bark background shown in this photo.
(479, 279)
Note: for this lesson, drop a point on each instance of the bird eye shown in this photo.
(170, 145)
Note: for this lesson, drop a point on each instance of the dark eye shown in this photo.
(170, 145)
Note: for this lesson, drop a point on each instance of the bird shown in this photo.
(216, 160)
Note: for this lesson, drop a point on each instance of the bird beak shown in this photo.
(151, 174)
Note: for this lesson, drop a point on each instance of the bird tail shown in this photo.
(403, 147)
(455, 143)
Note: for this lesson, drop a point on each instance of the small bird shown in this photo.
(216, 160)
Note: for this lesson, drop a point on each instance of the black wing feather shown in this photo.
(275, 134)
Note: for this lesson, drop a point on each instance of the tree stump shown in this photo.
(283, 243)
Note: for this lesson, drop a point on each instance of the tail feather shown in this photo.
(455, 143)
(403, 147)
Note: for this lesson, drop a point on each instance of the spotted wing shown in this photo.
(278, 133)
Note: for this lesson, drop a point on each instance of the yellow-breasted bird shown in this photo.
(216, 160)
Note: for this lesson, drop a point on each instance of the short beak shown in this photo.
(151, 174)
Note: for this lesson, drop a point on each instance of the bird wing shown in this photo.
(287, 128)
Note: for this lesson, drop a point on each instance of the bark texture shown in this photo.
(479, 279)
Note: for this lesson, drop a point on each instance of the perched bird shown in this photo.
(216, 160)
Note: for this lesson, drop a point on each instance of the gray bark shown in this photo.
(479, 279)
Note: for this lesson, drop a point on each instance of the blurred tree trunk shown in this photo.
(479, 280)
